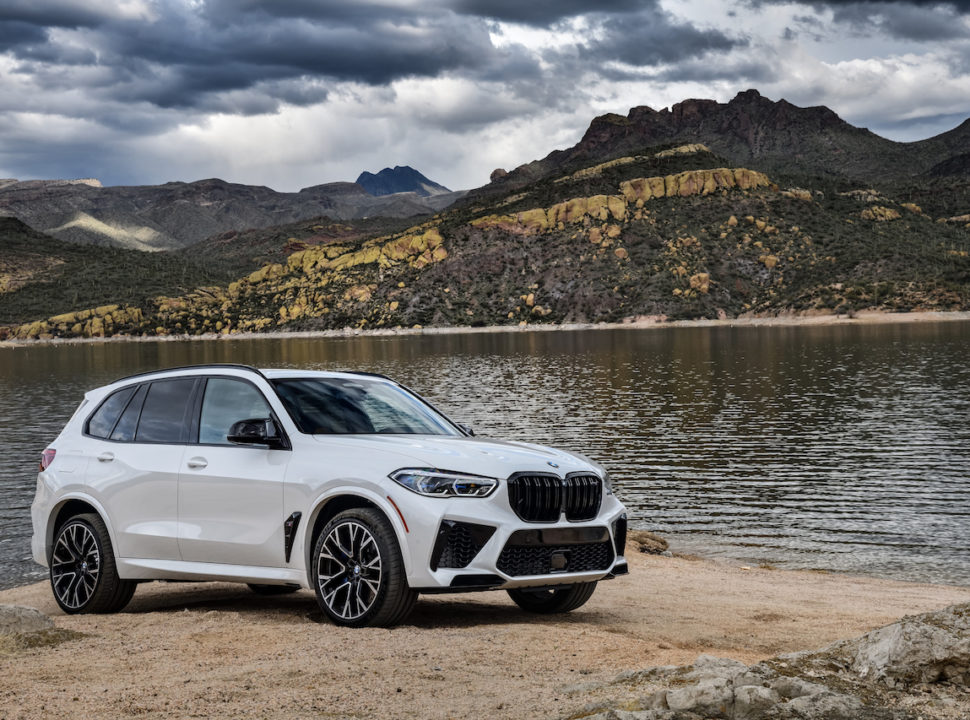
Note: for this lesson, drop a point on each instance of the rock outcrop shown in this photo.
(16, 619)
(898, 672)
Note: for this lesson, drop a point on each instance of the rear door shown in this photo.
(230, 501)
(139, 436)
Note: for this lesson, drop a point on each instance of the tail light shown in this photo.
(46, 458)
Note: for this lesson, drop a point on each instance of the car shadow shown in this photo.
(430, 612)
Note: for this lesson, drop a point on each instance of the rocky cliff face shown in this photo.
(753, 131)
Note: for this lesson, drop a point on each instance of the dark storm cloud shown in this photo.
(903, 20)
(919, 20)
(229, 55)
(543, 13)
(17, 34)
(652, 38)
(53, 13)
(180, 58)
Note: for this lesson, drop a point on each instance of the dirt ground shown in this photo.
(217, 650)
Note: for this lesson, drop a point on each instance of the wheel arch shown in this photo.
(328, 507)
(67, 508)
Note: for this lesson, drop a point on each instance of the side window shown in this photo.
(226, 402)
(164, 416)
(125, 428)
(105, 417)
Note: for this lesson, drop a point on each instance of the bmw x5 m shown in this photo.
(347, 484)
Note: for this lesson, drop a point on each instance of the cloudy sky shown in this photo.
(293, 93)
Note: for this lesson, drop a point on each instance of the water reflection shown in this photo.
(835, 447)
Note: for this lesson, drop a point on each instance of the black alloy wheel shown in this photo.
(358, 573)
(83, 573)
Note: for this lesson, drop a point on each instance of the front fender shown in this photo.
(373, 496)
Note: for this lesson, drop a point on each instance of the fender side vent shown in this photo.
(289, 532)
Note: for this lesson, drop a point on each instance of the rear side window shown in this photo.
(103, 421)
(164, 416)
(125, 428)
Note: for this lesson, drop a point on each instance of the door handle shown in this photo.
(106, 457)
(198, 462)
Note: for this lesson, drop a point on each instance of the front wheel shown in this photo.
(83, 573)
(560, 600)
(358, 572)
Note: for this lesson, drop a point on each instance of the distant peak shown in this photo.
(401, 178)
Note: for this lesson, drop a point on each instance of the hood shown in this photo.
(479, 456)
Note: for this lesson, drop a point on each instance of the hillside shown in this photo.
(400, 179)
(793, 144)
(178, 214)
(40, 275)
(669, 230)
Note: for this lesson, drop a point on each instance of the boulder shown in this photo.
(15, 619)
(918, 649)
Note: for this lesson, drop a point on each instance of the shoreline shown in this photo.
(219, 650)
(864, 317)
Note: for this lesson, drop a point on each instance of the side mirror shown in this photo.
(256, 431)
(467, 429)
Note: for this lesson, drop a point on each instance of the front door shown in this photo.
(230, 503)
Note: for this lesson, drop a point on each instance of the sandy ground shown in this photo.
(217, 650)
(657, 322)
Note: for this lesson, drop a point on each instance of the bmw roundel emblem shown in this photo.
(550, 463)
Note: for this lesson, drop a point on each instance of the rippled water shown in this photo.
(845, 448)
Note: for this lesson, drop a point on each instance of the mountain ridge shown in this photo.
(750, 129)
(177, 214)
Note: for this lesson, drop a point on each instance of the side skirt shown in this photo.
(142, 569)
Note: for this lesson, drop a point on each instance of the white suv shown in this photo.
(346, 483)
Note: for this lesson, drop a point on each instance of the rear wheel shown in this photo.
(358, 573)
(273, 589)
(560, 600)
(84, 576)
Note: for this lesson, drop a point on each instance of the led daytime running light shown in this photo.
(442, 483)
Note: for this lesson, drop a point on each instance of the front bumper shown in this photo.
(464, 544)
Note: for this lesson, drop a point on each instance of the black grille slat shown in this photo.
(544, 497)
(521, 560)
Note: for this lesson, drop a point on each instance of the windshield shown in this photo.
(359, 407)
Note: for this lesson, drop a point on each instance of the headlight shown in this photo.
(441, 483)
(607, 483)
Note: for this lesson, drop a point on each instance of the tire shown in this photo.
(273, 589)
(560, 600)
(83, 572)
(357, 571)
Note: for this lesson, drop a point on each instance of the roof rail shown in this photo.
(216, 366)
(366, 374)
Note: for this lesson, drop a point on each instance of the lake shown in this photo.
(843, 447)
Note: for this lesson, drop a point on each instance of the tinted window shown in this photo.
(164, 415)
(358, 406)
(106, 416)
(227, 402)
(125, 429)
